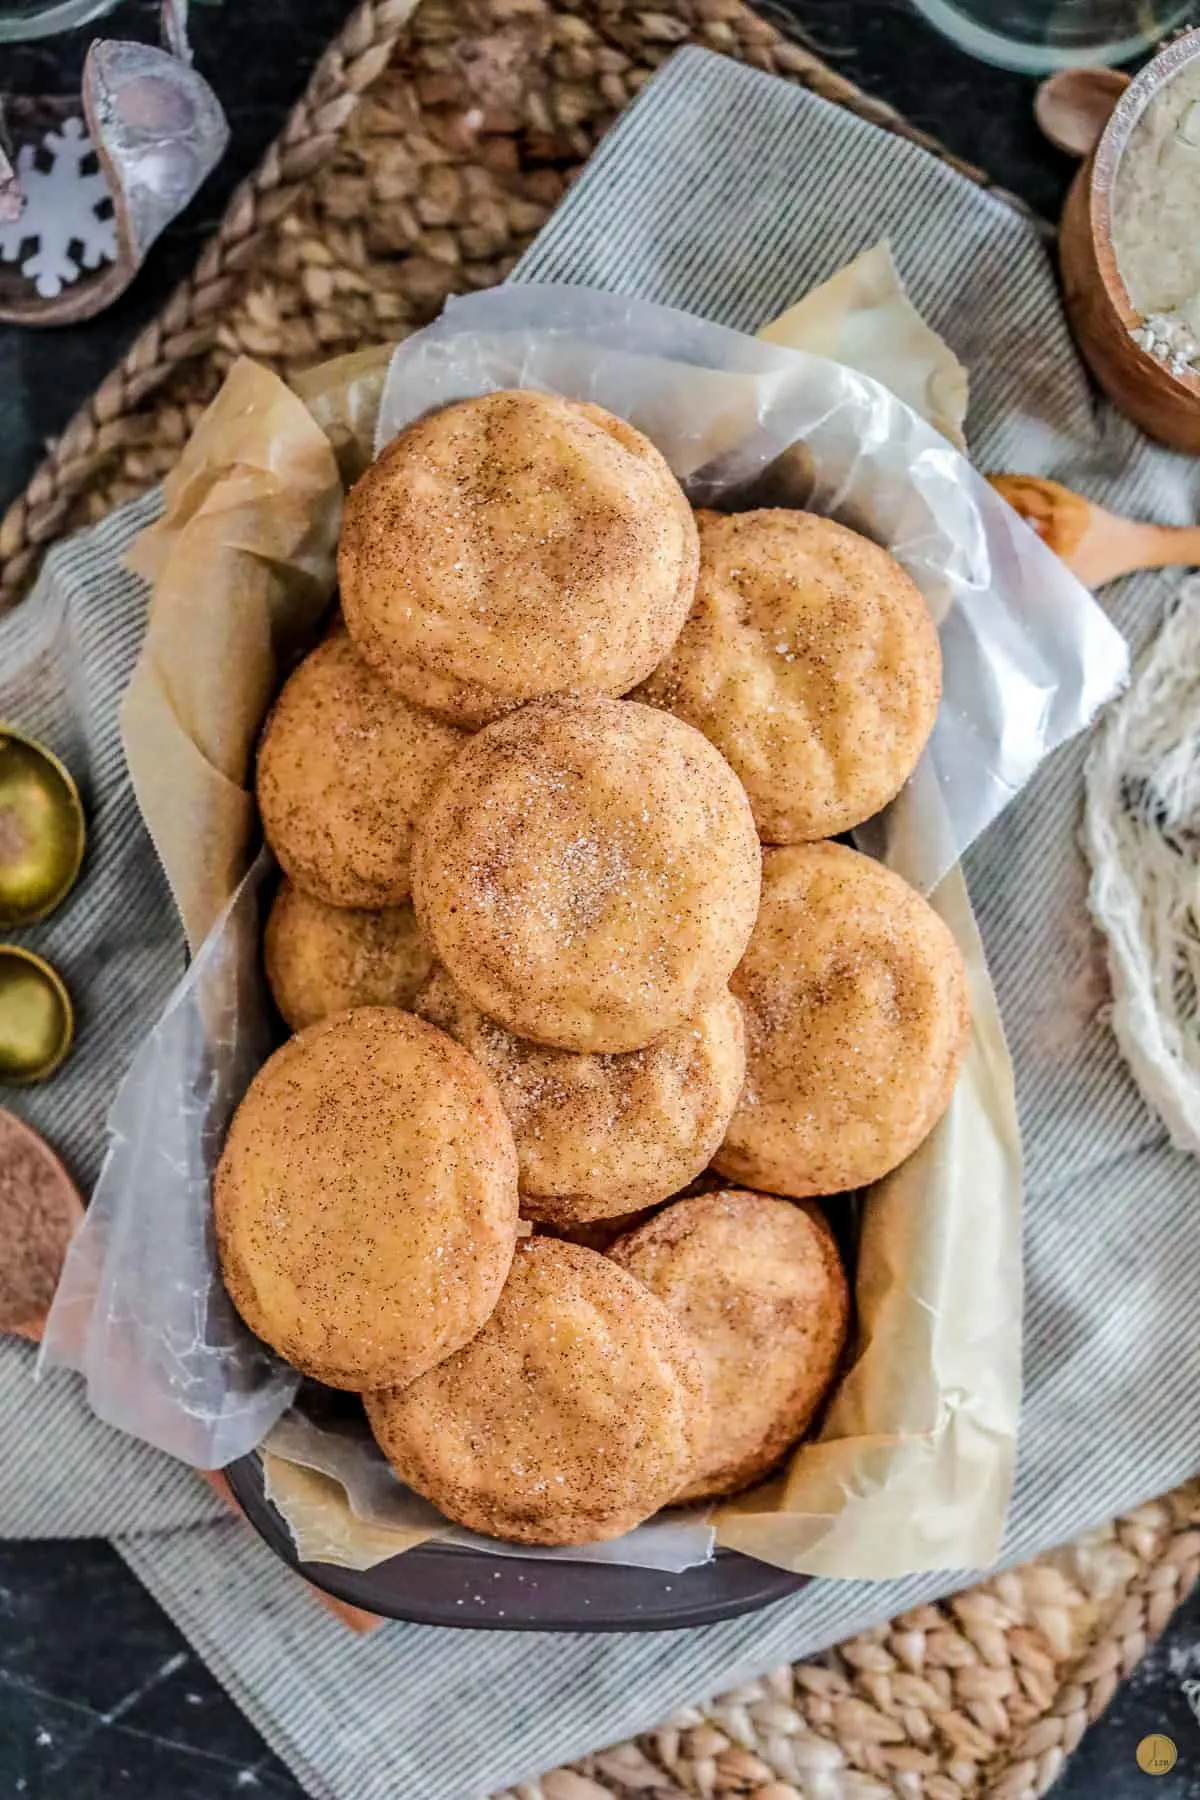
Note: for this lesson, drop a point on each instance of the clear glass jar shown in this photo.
(1037, 36)
(21, 19)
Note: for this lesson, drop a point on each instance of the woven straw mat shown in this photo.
(431, 145)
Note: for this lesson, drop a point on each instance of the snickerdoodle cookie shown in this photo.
(344, 767)
(811, 661)
(857, 1021)
(576, 1412)
(516, 545)
(325, 959)
(758, 1285)
(588, 872)
(603, 1135)
(366, 1199)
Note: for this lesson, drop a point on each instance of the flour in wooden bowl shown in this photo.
(1156, 221)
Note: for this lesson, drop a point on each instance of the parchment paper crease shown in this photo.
(242, 564)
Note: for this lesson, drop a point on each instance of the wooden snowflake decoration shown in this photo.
(67, 223)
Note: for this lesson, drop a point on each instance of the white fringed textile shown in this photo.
(1142, 834)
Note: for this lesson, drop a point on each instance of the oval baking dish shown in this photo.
(448, 1584)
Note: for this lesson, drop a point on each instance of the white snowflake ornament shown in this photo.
(62, 213)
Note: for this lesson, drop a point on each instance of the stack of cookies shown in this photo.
(550, 991)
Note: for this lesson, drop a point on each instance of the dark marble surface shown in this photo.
(100, 1697)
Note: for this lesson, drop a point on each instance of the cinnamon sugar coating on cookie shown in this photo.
(811, 661)
(601, 1135)
(516, 545)
(588, 872)
(324, 959)
(344, 768)
(857, 1018)
(759, 1287)
(577, 1411)
(366, 1199)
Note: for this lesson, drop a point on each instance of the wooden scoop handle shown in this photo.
(1096, 545)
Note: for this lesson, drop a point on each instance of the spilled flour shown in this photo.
(1156, 221)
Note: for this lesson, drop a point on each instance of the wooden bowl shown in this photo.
(1102, 316)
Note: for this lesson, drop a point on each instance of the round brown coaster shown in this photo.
(39, 1210)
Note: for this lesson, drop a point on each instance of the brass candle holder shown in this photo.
(37, 1020)
(42, 840)
(42, 833)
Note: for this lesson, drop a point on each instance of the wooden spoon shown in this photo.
(1096, 545)
(1073, 107)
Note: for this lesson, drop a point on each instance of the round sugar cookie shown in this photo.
(344, 767)
(325, 959)
(366, 1199)
(588, 873)
(759, 1287)
(576, 1412)
(857, 1021)
(515, 545)
(811, 661)
(601, 1135)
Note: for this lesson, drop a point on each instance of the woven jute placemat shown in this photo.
(981, 1697)
(431, 145)
(429, 148)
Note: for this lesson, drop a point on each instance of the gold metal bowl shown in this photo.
(41, 830)
(37, 1020)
